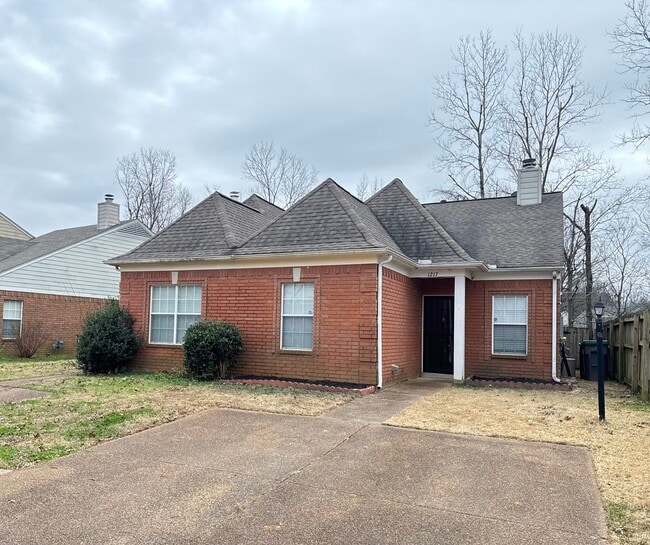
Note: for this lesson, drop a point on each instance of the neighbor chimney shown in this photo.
(108, 213)
(234, 195)
(529, 183)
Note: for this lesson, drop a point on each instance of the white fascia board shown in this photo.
(259, 262)
(532, 273)
(450, 270)
(102, 233)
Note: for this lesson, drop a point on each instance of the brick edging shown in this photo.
(304, 386)
(558, 387)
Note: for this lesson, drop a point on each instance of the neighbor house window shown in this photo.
(12, 318)
(297, 316)
(510, 324)
(173, 309)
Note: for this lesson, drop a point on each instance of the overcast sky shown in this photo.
(345, 85)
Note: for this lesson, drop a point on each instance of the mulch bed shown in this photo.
(523, 383)
(322, 385)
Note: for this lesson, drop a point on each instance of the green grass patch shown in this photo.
(106, 426)
(81, 411)
(18, 368)
(618, 517)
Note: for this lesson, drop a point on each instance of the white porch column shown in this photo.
(459, 327)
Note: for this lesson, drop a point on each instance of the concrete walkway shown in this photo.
(238, 477)
(12, 391)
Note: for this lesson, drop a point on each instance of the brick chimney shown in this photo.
(108, 213)
(529, 183)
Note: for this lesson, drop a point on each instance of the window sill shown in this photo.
(163, 345)
(509, 356)
(296, 352)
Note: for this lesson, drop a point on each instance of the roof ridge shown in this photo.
(457, 248)
(222, 214)
(262, 199)
(394, 181)
(284, 213)
(352, 214)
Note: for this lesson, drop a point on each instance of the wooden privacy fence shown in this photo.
(629, 352)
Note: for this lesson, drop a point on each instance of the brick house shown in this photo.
(365, 292)
(53, 281)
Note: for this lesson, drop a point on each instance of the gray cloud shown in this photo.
(345, 85)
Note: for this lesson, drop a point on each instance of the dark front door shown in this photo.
(438, 335)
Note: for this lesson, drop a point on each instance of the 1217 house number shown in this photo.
(432, 275)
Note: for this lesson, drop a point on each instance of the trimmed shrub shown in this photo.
(107, 342)
(211, 349)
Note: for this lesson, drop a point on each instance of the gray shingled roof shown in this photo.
(13, 255)
(263, 206)
(499, 232)
(328, 219)
(416, 232)
(10, 246)
(211, 229)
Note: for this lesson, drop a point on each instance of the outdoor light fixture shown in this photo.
(599, 308)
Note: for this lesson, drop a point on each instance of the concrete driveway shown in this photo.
(235, 477)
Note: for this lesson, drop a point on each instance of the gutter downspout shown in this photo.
(554, 330)
(380, 358)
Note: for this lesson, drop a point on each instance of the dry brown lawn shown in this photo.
(620, 447)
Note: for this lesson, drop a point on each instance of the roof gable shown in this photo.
(210, 229)
(10, 229)
(326, 219)
(414, 230)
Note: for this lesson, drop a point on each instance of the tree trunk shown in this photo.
(588, 269)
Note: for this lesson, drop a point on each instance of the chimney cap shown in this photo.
(530, 162)
(109, 197)
(234, 195)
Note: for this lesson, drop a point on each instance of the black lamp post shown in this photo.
(599, 308)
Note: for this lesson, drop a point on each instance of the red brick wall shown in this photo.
(401, 326)
(479, 360)
(345, 307)
(61, 317)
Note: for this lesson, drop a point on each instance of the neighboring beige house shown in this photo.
(11, 229)
(51, 282)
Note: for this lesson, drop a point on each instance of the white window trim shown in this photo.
(20, 329)
(176, 313)
(519, 354)
(282, 316)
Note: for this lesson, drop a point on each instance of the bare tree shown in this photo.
(631, 39)
(625, 263)
(367, 187)
(281, 177)
(549, 100)
(466, 116)
(151, 191)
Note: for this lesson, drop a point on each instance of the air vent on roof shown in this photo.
(234, 195)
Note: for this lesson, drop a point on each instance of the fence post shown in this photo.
(644, 360)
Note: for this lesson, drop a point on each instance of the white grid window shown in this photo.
(173, 310)
(12, 318)
(510, 324)
(297, 316)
